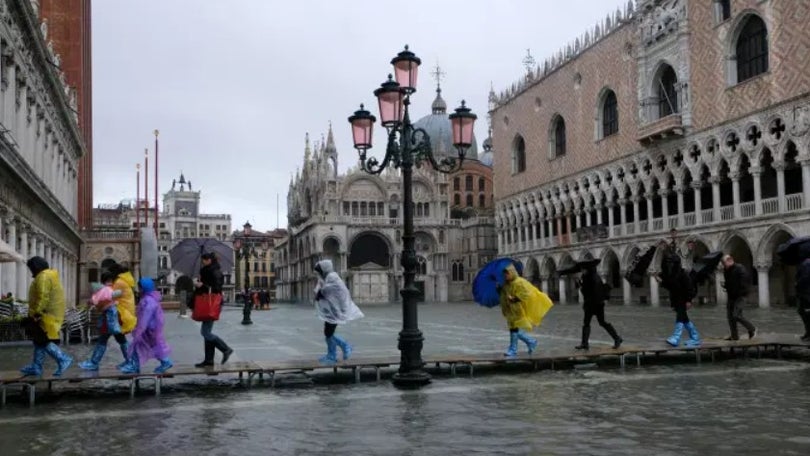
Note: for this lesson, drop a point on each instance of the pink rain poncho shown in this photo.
(147, 338)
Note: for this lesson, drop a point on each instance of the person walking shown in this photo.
(681, 292)
(593, 295)
(46, 313)
(737, 285)
(524, 307)
(104, 299)
(334, 306)
(211, 281)
(147, 338)
(124, 285)
(803, 295)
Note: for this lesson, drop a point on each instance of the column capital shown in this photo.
(778, 165)
(734, 176)
(697, 185)
(679, 189)
(763, 266)
(715, 180)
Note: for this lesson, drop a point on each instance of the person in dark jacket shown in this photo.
(737, 285)
(593, 294)
(803, 295)
(681, 292)
(211, 280)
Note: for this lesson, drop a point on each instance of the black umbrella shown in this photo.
(638, 268)
(705, 266)
(794, 251)
(579, 266)
(186, 255)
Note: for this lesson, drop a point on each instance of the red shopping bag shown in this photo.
(207, 307)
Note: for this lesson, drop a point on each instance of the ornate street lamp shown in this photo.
(408, 146)
(245, 248)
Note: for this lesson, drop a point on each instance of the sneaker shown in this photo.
(731, 338)
(752, 334)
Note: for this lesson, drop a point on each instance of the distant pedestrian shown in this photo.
(46, 313)
(148, 340)
(803, 295)
(523, 306)
(211, 281)
(738, 285)
(104, 300)
(594, 294)
(334, 305)
(682, 290)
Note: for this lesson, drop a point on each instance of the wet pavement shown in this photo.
(732, 407)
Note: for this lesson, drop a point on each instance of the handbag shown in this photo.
(207, 307)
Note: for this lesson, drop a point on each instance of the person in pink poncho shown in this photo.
(147, 338)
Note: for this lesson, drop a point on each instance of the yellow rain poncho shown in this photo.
(125, 283)
(523, 305)
(46, 302)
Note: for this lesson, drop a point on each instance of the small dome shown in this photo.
(437, 125)
(487, 158)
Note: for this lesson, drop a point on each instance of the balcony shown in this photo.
(661, 129)
(109, 235)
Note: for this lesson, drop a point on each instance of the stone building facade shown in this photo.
(684, 114)
(40, 148)
(355, 219)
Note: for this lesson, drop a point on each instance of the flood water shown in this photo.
(731, 407)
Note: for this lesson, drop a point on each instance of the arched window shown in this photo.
(667, 94)
(469, 200)
(457, 199)
(518, 155)
(557, 137)
(468, 183)
(610, 115)
(481, 184)
(482, 200)
(421, 265)
(457, 184)
(752, 49)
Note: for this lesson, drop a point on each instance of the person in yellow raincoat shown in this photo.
(46, 313)
(524, 307)
(124, 283)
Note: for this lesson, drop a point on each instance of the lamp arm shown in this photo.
(372, 166)
(420, 145)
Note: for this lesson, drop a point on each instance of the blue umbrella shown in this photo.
(490, 278)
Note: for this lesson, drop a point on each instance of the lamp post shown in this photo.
(245, 248)
(408, 146)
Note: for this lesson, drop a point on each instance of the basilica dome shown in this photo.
(437, 126)
(487, 158)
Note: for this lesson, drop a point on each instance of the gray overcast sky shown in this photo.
(234, 85)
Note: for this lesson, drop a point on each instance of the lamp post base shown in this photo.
(247, 322)
(411, 380)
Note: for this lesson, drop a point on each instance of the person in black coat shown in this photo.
(593, 294)
(681, 292)
(803, 295)
(738, 284)
(211, 280)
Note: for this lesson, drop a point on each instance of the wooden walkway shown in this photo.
(769, 344)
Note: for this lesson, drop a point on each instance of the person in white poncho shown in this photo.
(334, 306)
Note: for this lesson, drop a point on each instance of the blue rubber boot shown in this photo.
(513, 340)
(694, 337)
(530, 341)
(63, 360)
(165, 364)
(133, 366)
(344, 347)
(92, 363)
(331, 351)
(125, 354)
(675, 338)
(35, 368)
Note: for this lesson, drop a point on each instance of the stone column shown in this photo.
(764, 288)
(636, 200)
(623, 214)
(756, 173)
(735, 191)
(599, 219)
(780, 185)
(715, 180)
(563, 297)
(655, 299)
(679, 190)
(696, 186)
(806, 181)
(544, 284)
(610, 207)
(559, 221)
(22, 269)
(722, 297)
(500, 241)
(10, 269)
(649, 197)
(627, 291)
(662, 193)
(542, 231)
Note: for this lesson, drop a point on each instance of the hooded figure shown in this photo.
(681, 292)
(523, 306)
(124, 283)
(46, 313)
(147, 338)
(109, 322)
(334, 305)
